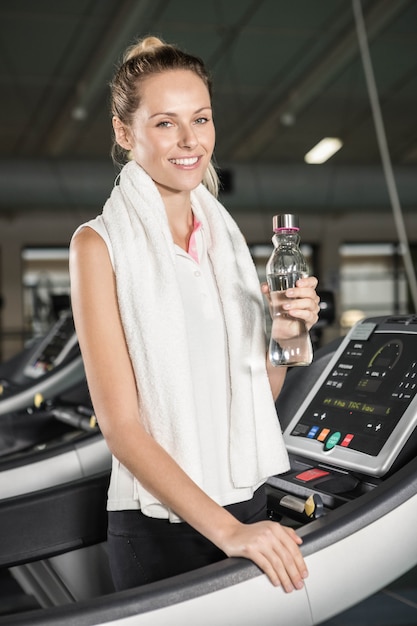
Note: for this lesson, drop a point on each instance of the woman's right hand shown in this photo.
(273, 548)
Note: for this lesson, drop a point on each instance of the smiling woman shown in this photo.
(142, 61)
(168, 306)
(170, 136)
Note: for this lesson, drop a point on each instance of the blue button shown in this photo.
(313, 432)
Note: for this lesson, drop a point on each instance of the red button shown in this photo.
(346, 441)
(311, 474)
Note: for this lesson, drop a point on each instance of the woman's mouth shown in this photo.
(187, 161)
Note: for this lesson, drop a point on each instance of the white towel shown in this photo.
(154, 325)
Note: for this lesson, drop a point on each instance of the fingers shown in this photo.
(305, 308)
(309, 281)
(285, 565)
(265, 290)
(295, 569)
(275, 550)
(303, 301)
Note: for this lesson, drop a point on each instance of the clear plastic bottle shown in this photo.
(290, 342)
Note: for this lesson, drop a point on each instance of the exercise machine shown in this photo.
(349, 422)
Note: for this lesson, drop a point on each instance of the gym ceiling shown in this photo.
(286, 74)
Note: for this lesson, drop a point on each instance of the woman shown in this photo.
(168, 312)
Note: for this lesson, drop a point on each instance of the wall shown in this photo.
(328, 230)
(27, 229)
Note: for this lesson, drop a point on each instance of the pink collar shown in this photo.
(192, 245)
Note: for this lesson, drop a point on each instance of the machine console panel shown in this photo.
(363, 408)
(55, 347)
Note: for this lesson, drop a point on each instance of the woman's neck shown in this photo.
(180, 219)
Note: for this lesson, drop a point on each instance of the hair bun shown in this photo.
(143, 45)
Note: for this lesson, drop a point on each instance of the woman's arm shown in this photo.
(113, 391)
(303, 303)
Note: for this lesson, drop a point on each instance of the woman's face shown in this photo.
(172, 134)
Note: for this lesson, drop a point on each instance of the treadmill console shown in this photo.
(363, 409)
(54, 348)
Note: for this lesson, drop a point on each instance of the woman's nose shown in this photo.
(188, 138)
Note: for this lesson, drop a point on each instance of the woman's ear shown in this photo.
(121, 133)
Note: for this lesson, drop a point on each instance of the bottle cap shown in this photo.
(285, 221)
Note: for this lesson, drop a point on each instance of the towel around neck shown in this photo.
(154, 325)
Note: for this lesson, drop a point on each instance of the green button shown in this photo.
(332, 440)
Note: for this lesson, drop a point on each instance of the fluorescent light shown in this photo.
(323, 150)
(45, 254)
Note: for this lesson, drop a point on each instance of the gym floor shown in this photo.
(396, 605)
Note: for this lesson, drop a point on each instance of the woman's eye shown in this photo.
(201, 120)
(165, 124)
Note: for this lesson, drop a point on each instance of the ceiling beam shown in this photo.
(257, 134)
(232, 33)
(133, 17)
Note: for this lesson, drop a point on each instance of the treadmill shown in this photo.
(47, 365)
(50, 442)
(349, 422)
(46, 415)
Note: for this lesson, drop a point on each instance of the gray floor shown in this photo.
(394, 606)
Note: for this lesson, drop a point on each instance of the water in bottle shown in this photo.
(290, 342)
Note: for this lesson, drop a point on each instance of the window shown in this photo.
(46, 286)
(372, 279)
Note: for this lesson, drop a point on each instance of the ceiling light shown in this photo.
(79, 114)
(287, 119)
(323, 150)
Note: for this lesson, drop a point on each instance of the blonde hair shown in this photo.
(150, 56)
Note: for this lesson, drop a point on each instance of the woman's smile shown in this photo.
(170, 136)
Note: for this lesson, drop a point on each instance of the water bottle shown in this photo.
(290, 342)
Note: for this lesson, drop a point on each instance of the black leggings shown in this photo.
(143, 549)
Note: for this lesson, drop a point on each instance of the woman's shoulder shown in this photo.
(92, 234)
(97, 225)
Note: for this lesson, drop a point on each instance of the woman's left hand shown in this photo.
(303, 301)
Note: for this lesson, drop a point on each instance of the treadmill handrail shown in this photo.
(44, 523)
(49, 385)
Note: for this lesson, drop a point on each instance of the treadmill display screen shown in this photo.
(56, 346)
(365, 394)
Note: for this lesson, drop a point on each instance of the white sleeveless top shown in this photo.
(209, 366)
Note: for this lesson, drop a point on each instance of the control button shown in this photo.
(332, 441)
(322, 436)
(300, 429)
(312, 432)
(346, 441)
(333, 383)
(373, 426)
(311, 474)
